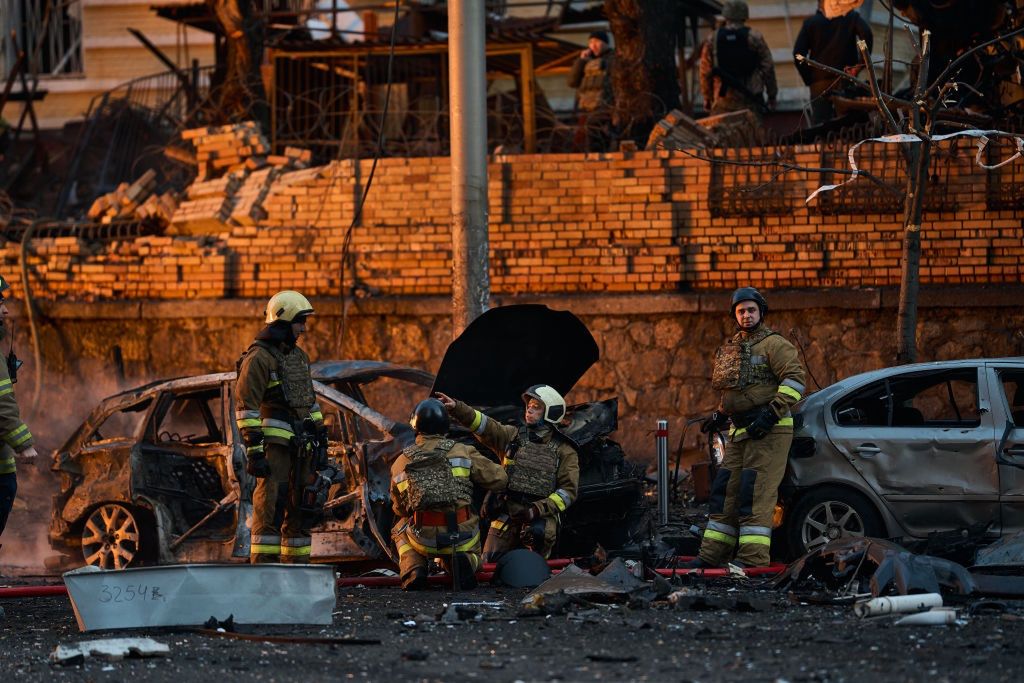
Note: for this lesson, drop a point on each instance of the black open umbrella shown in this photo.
(510, 348)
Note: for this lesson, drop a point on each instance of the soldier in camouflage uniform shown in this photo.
(760, 377)
(432, 497)
(276, 408)
(543, 471)
(16, 439)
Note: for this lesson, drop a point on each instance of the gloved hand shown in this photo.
(715, 422)
(27, 455)
(256, 463)
(763, 423)
(526, 515)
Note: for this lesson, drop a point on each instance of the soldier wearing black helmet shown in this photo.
(543, 470)
(760, 377)
(432, 497)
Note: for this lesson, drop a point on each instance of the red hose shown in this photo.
(32, 591)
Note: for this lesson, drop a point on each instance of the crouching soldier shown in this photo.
(432, 496)
(543, 471)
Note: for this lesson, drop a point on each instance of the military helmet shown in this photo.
(735, 10)
(749, 294)
(288, 306)
(554, 404)
(429, 417)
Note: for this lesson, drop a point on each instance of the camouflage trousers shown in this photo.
(743, 498)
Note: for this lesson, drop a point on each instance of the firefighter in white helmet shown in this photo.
(542, 465)
(281, 425)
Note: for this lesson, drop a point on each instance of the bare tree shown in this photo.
(241, 94)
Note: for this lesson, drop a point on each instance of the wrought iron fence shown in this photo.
(1004, 186)
(745, 181)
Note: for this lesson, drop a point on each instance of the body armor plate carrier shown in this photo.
(736, 368)
(535, 469)
(296, 380)
(432, 483)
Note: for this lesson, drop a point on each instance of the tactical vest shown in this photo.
(735, 366)
(534, 471)
(592, 86)
(736, 59)
(293, 374)
(432, 481)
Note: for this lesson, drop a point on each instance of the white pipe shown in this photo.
(939, 616)
(661, 439)
(898, 604)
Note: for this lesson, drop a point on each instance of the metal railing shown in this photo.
(744, 182)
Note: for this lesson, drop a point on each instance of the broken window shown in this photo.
(194, 418)
(48, 31)
(946, 398)
(121, 424)
(1013, 390)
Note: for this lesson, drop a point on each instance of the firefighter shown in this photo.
(543, 471)
(280, 421)
(17, 439)
(760, 377)
(432, 496)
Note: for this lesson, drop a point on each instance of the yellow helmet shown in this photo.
(288, 306)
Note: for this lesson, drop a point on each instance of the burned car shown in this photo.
(909, 452)
(157, 474)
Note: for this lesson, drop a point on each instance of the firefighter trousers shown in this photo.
(417, 549)
(505, 535)
(743, 498)
(8, 491)
(280, 532)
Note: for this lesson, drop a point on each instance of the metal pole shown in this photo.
(661, 439)
(466, 65)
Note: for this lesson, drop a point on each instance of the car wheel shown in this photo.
(112, 537)
(828, 513)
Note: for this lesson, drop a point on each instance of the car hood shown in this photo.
(510, 348)
(367, 370)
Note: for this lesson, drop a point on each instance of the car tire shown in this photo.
(827, 513)
(116, 536)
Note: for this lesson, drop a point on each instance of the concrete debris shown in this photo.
(109, 648)
(459, 614)
(701, 602)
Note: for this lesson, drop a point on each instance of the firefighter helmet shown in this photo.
(429, 417)
(554, 404)
(288, 306)
(749, 294)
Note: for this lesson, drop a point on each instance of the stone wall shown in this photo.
(655, 349)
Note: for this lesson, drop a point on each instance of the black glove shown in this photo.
(526, 515)
(763, 423)
(256, 462)
(715, 422)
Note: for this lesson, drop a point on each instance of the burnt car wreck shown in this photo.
(156, 475)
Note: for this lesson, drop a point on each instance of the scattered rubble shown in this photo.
(679, 131)
(138, 201)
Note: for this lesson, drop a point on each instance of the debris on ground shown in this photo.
(900, 604)
(576, 587)
(109, 648)
(1006, 553)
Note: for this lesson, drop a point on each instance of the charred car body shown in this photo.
(909, 452)
(157, 474)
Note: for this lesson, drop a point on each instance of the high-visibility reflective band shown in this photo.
(755, 531)
(403, 549)
(317, 416)
(460, 471)
(401, 476)
(460, 462)
(786, 422)
(7, 465)
(724, 528)
(273, 383)
(561, 499)
(280, 433)
(790, 391)
(509, 461)
(482, 424)
(272, 539)
(18, 435)
(7, 390)
(425, 549)
(477, 417)
(296, 547)
(278, 424)
(719, 536)
(249, 422)
(793, 384)
(252, 450)
(757, 540)
(246, 414)
(733, 431)
(402, 486)
(264, 549)
(499, 524)
(5, 383)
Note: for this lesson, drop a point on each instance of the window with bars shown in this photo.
(48, 31)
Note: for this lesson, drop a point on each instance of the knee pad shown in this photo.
(746, 498)
(716, 503)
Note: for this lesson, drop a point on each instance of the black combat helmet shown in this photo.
(429, 417)
(749, 294)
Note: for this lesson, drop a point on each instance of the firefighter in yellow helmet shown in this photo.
(281, 425)
(543, 470)
(760, 377)
(15, 439)
(432, 496)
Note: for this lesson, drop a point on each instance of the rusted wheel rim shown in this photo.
(110, 537)
(828, 521)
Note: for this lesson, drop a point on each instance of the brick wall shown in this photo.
(558, 223)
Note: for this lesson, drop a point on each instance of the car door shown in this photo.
(1007, 389)
(922, 439)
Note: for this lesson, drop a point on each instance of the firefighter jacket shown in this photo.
(506, 440)
(274, 391)
(754, 369)
(444, 496)
(13, 431)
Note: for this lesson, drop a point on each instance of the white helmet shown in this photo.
(288, 306)
(554, 404)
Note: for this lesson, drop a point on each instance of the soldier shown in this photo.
(736, 66)
(591, 77)
(278, 416)
(760, 377)
(432, 496)
(17, 440)
(543, 470)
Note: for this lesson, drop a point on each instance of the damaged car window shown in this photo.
(1013, 390)
(120, 424)
(947, 398)
(193, 418)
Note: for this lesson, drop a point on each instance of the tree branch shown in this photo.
(865, 56)
(956, 62)
(852, 79)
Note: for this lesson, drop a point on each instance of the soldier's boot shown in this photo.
(415, 579)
